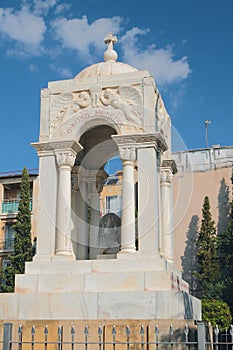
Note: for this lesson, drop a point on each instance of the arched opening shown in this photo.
(93, 236)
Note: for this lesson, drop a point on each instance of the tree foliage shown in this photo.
(207, 256)
(22, 240)
(226, 255)
(217, 312)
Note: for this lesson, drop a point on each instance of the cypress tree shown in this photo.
(226, 255)
(206, 256)
(22, 240)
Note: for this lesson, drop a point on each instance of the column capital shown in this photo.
(65, 158)
(165, 176)
(127, 154)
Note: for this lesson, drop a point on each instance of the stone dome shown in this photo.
(109, 67)
(103, 69)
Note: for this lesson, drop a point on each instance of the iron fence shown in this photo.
(185, 339)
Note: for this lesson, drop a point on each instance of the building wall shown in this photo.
(110, 190)
(205, 172)
(9, 216)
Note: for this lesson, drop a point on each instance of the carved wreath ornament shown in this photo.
(127, 99)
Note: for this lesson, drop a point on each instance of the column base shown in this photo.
(64, 255)
(127, 250)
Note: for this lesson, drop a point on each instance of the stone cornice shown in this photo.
(170, 163)
(48, 148)
(141, 140)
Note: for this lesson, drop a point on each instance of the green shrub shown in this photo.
(217, 312)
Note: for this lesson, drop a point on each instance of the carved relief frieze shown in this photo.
(164, 121)
(122, 105)
(65, 104)
(128, 99)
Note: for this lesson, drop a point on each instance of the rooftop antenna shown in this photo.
(207, 123)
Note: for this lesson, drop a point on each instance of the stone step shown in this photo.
(88, 266)
(94, 282)
(99, 306)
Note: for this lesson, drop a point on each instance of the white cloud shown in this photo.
(176, 96)
(24, 27)
(160, 62)
(78, 34)
(41, 7)
(62, 8)
(64, 72)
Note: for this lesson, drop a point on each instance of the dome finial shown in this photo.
(110, 54)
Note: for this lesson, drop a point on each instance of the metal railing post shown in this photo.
(201, 336)
(7, 336)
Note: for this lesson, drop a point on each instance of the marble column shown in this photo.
(149, 149)
(128, 156)
(94, 218)
(46, 216)
(82, 220)
(148, 199)
(74, 209)
(65, 160)
(95, 180)
(167, 171)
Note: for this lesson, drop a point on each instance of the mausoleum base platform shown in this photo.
(122, 288)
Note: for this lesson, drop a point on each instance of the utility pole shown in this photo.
(207, 123)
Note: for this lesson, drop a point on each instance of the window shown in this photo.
(113, 205)
(9, 236)
(5, 263)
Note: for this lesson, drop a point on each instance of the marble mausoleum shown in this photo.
(82, 271)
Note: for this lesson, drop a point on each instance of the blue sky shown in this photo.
(187, 46)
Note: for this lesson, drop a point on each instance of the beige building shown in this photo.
(110, 197)
(201, 172)
(9, 202)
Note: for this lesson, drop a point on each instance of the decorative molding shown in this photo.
(165, 176)
(66, 145)
(128, 154)
(65, 158)
(142, 140)
(48, 148)
(170, 163)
